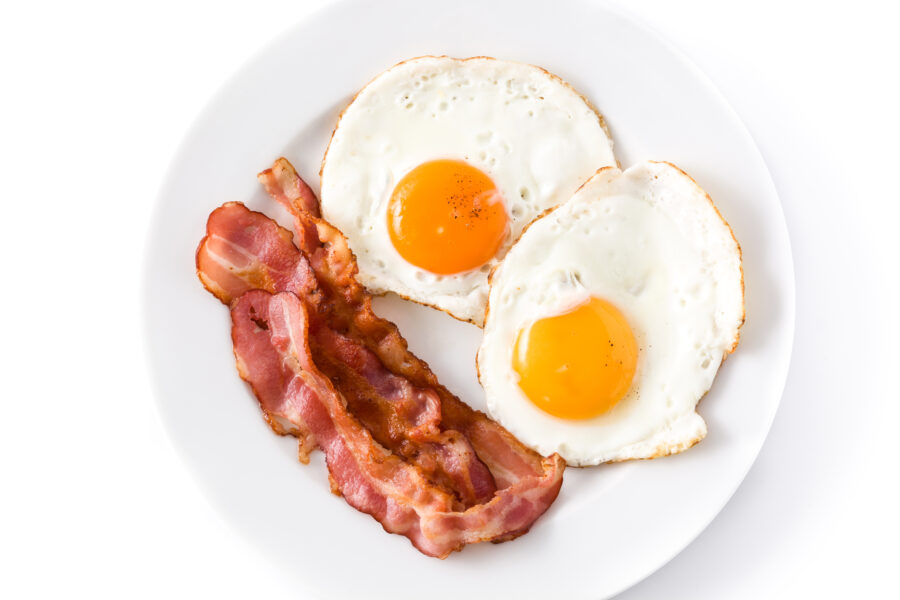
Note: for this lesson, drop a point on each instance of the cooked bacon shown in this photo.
(502, 485)
(324, 245)
(245, 250)
(287, 187)
(270, 345)
(273, 356)
(405, 418)
(334, 264)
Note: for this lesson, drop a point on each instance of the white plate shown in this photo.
(611, 526)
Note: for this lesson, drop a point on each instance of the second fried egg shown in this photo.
(610, 316)
(438, 164)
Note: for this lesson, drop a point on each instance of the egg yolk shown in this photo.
(446, 216)
(579, 364)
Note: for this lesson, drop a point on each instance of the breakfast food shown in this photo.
(608, 319)
(327, 370)
(438, 164)
(608, 298)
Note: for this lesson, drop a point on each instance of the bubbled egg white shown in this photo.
(529, 131)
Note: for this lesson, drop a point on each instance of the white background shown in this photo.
(94, 98)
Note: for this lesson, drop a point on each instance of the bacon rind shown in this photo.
(406, 422)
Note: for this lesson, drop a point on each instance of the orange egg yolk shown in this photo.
(579, 364)
(446, 216)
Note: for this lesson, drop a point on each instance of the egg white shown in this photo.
(529, 131)
(650, 241)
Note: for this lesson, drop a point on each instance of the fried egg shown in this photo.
(437, 165)
(608, 319)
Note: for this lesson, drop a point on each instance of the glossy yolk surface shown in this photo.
(579, 364)
(446, 216)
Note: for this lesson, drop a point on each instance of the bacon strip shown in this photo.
(242, 252)
(285, 185)
(335, 266)
(270, 345)
(245, 250)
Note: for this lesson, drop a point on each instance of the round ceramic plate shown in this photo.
(611, 525)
